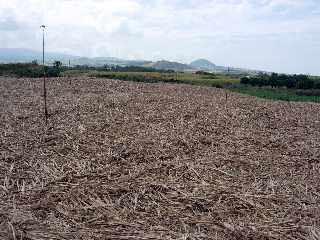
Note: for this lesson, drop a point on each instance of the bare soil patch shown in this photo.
(121, 160)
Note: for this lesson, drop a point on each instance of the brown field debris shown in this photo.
(121, 160)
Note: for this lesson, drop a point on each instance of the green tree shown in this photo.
(57, 64)
(34, 62)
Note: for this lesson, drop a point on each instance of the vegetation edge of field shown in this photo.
(300, 88)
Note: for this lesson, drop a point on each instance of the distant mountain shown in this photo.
(101, 61)
(167, 65)
(206, 65)
(27, 55)
(203, 64)
(9, 55)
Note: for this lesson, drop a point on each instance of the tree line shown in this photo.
(32, 69)
(299, 81)
(117, 68)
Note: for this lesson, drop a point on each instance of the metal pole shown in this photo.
(44, 77)
(69, 70)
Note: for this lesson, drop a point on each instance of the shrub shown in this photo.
(212, 75)
(303, 82)
(53, 72)
(273, 80)
(291, 83)
(317, 85)
(283, 80)
(31, 70)
(244, 80)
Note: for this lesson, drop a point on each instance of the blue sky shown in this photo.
(274, 35)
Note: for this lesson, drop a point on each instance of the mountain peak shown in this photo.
(203, 64)
(167, 65)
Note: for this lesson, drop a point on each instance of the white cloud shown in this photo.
(279, 35)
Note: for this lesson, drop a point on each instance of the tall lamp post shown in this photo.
(44, 76)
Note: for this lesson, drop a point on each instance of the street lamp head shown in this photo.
(43, 26)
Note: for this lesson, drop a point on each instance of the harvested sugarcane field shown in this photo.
(128, 160)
